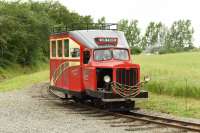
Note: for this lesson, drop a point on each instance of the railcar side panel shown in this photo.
(65, 70)
(75, 79)
(89, 78)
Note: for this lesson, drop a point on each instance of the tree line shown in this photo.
(159, 38)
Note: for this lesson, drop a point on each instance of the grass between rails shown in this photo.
(172, 74)
(185, 107)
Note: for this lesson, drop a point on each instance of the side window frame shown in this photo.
(53, 50)
(71, 47)
(76, 51)
(64, 48)
(58, 48)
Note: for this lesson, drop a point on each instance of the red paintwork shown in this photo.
(79, 78)
(70, 78)
(89, 77)
(91, 84)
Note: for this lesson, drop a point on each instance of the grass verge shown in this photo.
(180, 106)
(24, 80)
(17, 70)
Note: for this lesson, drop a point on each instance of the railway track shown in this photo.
(132, 116)
(190, 126)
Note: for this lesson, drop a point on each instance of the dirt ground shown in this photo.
(32, 110)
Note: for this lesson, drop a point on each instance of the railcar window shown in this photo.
(120, 54)
(66, 48)
(75, 52)
(59, 43)
(107, 54)
(100, 55)
(53, 48)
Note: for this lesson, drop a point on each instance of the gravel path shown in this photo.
(25, 111)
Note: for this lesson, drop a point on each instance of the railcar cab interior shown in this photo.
(86, 56)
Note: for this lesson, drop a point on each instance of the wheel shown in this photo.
(78, 100)
(121, 106)
(97, 103)
(66, 96)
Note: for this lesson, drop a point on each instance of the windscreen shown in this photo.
(120, 54)
(107, 54)
(102, 55)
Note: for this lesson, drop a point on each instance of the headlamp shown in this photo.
(106, 78)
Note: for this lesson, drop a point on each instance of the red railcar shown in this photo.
(95, 65)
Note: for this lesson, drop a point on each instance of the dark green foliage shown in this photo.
(179, 37)
(132, 32)
(154, 36)
(25, 28)
(163, 51)
(136, 50)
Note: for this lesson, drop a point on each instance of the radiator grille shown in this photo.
(127, 76)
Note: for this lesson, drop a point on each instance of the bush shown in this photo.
(163, 51)
(136, 50)
(189, 48)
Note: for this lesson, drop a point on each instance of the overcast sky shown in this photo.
(144, 11)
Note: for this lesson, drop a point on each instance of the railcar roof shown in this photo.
(86, 37)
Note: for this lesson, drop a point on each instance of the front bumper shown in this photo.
(108, 96)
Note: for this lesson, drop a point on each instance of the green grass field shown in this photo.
(179, 106)
(172, 74)
(174, 86)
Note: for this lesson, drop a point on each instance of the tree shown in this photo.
(132, 32)
(155, 35)
(101, 20)
(123, 25)
(180, 36)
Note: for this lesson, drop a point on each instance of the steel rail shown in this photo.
(191, 126)
(167, 119)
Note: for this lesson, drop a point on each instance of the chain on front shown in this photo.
(125, 90)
